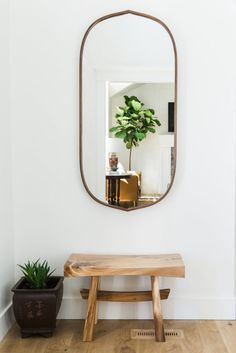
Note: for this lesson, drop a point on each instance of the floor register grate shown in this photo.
(149, 334)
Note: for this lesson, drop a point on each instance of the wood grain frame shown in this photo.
(101, 19)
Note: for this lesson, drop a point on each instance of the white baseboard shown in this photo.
(173, 308)
(199, 308)
(6, 320)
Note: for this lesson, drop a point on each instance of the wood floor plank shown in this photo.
(227, 331)
(192, 340)
(113, 336)
(211, 338)
(61, 341)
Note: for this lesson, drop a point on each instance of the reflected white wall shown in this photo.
(149, 156)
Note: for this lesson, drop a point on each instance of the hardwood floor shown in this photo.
(113, 336)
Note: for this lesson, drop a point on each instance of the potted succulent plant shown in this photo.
(133, 123)
(37, 299)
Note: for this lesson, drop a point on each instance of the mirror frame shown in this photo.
(101, 19)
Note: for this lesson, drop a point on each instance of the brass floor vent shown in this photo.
(149, 334)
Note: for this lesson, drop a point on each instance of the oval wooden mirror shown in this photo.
(128, 98)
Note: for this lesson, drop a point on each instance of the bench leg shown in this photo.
(97, 308)
(91, 310)
(157, 312)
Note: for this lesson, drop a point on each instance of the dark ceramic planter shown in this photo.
(36, 309)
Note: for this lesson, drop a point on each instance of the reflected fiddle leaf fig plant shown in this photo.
(133, 123)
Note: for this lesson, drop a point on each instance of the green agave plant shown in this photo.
(133, 123)
(36, 273)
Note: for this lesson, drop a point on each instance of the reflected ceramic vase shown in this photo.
(113, 161)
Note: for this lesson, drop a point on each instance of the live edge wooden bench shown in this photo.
(96, 266)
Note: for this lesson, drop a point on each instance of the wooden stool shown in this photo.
(96, 266)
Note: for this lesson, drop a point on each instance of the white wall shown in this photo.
(6, 227)
(54, 215)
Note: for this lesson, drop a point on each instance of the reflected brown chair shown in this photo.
(129, 191)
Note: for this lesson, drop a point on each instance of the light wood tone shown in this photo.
(170, 265)
(78, 265)
(91, 310)
(114, 336)
(211, 337)
(96, 314)
(114, 296)
(97, 304)
(157, 312)
(228, 334)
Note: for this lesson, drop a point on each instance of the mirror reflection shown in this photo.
(128, 119)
